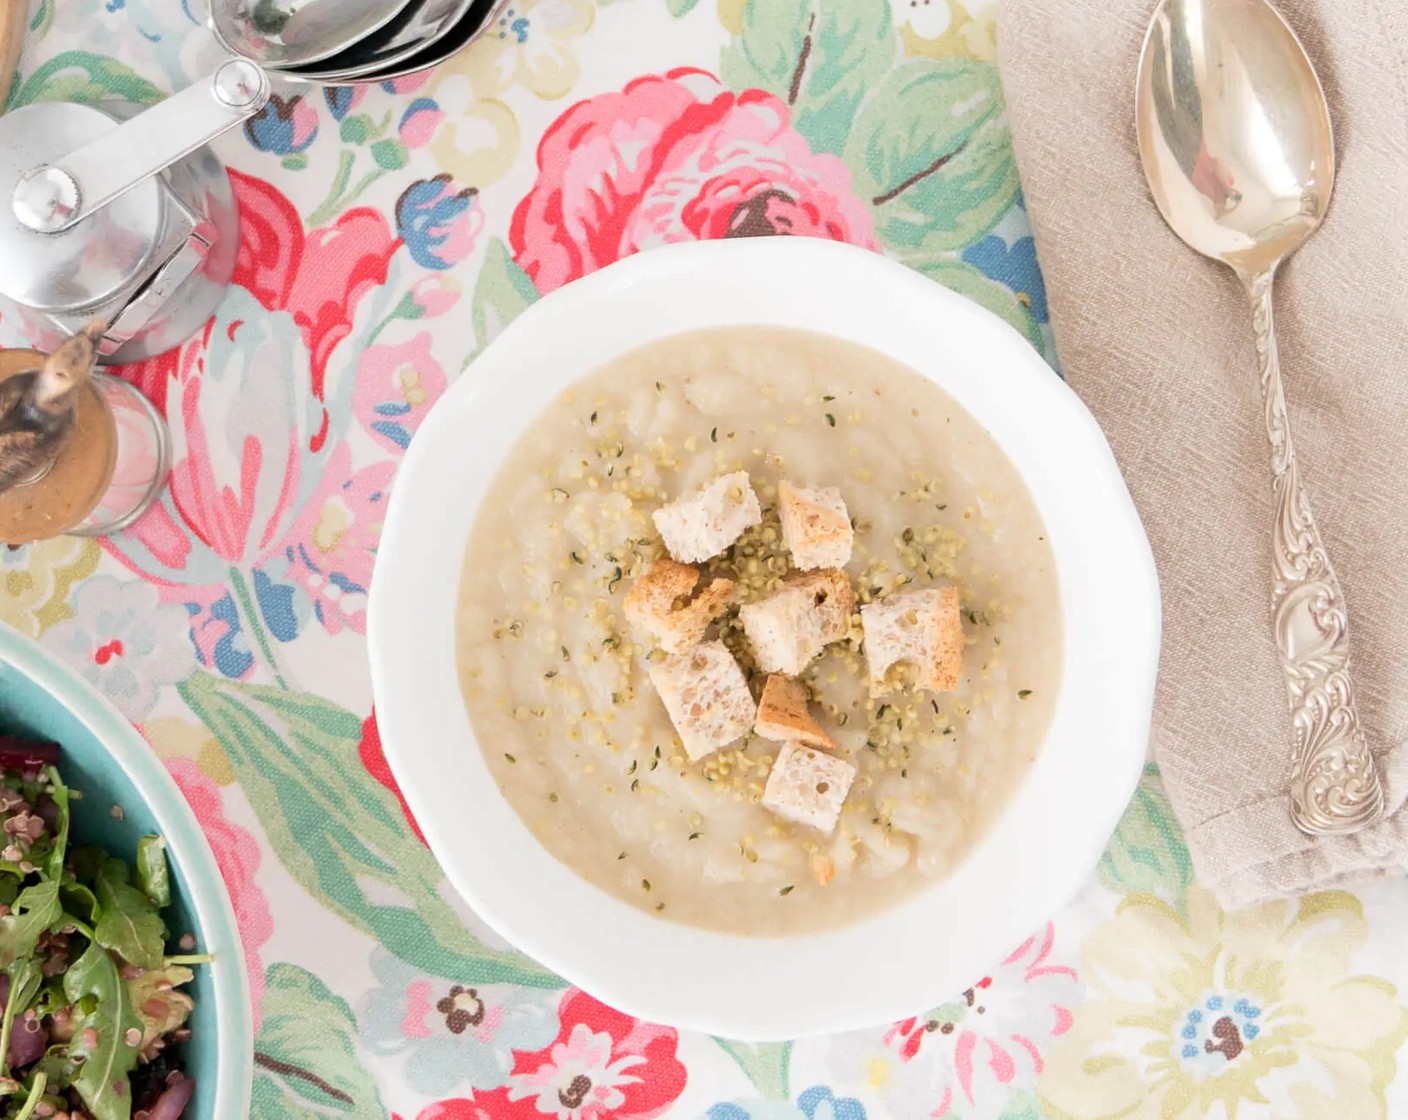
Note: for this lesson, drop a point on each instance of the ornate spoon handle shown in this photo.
(1335, 788)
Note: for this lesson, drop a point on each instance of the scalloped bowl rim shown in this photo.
(202, 885)
(1034, 858)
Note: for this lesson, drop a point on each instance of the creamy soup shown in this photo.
(556, 682)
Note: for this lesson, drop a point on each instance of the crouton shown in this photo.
(662, 604)
(919, 628)
(816, 527)
(834, 599)
(790, 627)
(707, 698)
(783, 714)
(701, 525)
(808, 787)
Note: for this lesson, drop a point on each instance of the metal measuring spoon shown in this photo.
(282, 33)
(419, 27)
(1235, 138)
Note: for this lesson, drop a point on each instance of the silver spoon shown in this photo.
(1235, 138)
(279, 33)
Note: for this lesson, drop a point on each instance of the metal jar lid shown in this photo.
(98, 259)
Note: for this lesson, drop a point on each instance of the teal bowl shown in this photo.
(105, 758)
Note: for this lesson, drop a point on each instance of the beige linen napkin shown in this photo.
(1158, 343)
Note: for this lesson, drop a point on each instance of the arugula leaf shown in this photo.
(102, 1081)
(128, 924)
(26, 977)
(153, 872)
(79, 897)
(55, 867)
(35, 910)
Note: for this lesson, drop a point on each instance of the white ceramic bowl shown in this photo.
(1038, 853)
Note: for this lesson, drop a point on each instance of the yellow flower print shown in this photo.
(944, 28)
(1253, 1013)
(532, 44)
(172, 738)
(35, 581)
(479, 137)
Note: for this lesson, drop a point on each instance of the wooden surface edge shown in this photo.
(14, 19)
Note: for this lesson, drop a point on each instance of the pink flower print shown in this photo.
(603, 1065)
(251, 431)
(676, 158)
(319, 278)
(332, 547)
(409, 84)
(579, 1079)
(237, 855)
(396, 385)
(419, 122)
(238, 453)
(435, 295)
(968, 1056)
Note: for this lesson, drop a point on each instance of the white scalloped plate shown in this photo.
(1035, 857)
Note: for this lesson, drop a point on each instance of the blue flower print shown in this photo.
(438, 222)
(1015, 266)
(285, 126)
(816, 1103)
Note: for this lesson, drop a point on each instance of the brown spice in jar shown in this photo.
(80, 475)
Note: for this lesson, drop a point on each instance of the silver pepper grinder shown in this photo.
(121, 214)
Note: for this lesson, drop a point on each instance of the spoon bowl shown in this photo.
(1235, 137)
(282, 33)
(1234, 130)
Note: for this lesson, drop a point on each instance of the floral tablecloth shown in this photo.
(388, 233)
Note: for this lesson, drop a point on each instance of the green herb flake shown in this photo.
(828, 397)
(576, 559)
(714, 436)
(830, 419)
(1022, 694)
(645, 883)
(553, 798)
(695, 835)
(785, 891)
(621, 856)
(510, 757)
(635, 784)
(632, 768)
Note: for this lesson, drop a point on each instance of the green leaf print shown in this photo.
(307, 1060)
(1147, 853)
(679, 8)
(340, 834)
(931, 153)
(766, 1065)
(819, 56)
(501, 293)
(967, 280)
(82, 76)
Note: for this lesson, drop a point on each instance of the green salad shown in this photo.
(91, 992)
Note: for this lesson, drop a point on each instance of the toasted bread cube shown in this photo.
(701, 525)
(790, 627)
(816, 526)
(784, 717)
(707, 698)
(834, 599)
(662, 604)
(808, 787)
(919, 628)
